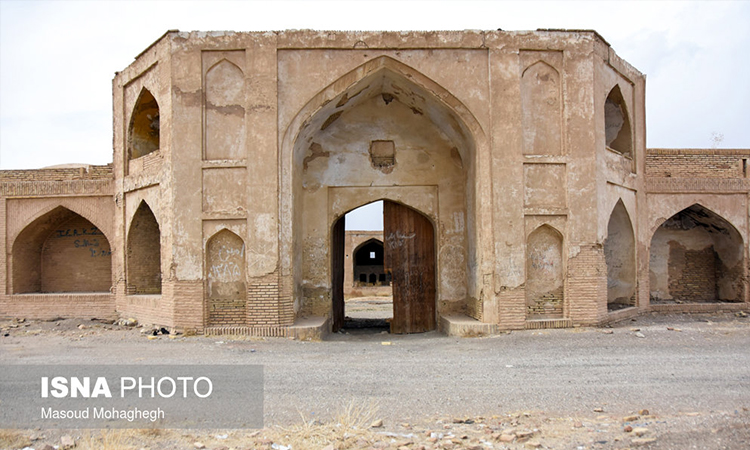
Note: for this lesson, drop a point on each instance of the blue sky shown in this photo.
(57, 58)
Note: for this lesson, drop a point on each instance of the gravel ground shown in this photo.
(369, 307)
(691, 372)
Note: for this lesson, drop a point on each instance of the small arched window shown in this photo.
(143, 133)
(619, 136)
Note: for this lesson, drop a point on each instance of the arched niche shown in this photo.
(619, 254)
(618, 133)
(143, 132)
(541, 110)
(696, 256)
(61, 251)
(225, 130)
(544, 274)
(144, 253)
(226, 290)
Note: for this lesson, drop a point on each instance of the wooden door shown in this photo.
(410, 259)
(337, 266)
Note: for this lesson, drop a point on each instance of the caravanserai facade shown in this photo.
(518, 191)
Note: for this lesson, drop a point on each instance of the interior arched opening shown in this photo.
(619, 254)
(696, 256)
(61, 251)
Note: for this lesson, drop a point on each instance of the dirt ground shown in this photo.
(659, 381)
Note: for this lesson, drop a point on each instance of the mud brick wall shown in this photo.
(58, 174)
(148, 163)
(547, 304)
(188, 302)
(61, 181)
(692, 273)
(52, 306)
(474, 308)
(697, 163)
(76, 257)
(226, 311)
(263, 301)
(512, 309)
(587, 283)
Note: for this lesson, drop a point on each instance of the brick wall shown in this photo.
(149, 163)
(187, 302)
(76, 257)
(692, 273)
(263, 306)
(60, 251)
(147, 309)
(226, 312)
(587, 284)
(546, 305)
(697, 163)
(58, 174)
(46, 226)
(512, 309)
(52, 306)
(180, 305)
(474, 308)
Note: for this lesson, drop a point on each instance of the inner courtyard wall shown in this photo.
(353, 240)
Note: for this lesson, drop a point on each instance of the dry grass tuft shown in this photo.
(356, 416)
(13, 439)
(347, 430)
(150, 432)
(107, 440)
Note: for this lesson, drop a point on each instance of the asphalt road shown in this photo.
(702, 365)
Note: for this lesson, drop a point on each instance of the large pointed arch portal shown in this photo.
(382, 131)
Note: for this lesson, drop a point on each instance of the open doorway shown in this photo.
(366, 288)
(406, 268)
